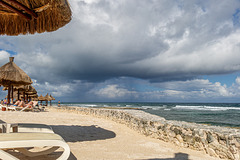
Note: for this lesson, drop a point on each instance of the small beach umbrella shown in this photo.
(41, 98)
(48, 98)
(11, 75)
(32, 97)
(52, 97)
(30, 91)
(31, 16)
(23, 90)
(51, 100)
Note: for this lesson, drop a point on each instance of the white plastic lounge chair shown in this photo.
(22, 141)
(7, 107)
(36, 106)
(32, 127)
(2, 107)
(27, 108)
(10, 108)
(7, 127)
(30, 107)
(25, 127)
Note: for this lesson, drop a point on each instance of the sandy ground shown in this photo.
(92, 138)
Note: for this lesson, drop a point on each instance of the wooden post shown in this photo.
(9, 91)
(12, 93)
(24, 96)
(18, 94)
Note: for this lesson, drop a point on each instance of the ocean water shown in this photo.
(218, 114)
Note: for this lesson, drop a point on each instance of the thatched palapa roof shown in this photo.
(52, 97)
(10, 73)
(34, 96)
(31, 90)
(25, 88)
(31, 16)
(48, 98)
(41, 98)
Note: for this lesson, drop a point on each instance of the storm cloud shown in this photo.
(109, 43)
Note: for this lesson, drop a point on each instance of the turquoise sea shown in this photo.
(218, 114)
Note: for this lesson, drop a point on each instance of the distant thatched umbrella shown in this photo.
(30, 91)
(30, 16)
(33, 97)
(11, 75)
(48, 98)
(41, 98)
(52, 99)
(22, 90)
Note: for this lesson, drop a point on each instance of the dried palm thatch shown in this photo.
(10, 73)
(31, 90)
(31, 16)
(22, 91)
(21, 88)
(18, 88)
(33, 96)
(52, 97)
(41, 98)
(48, 98)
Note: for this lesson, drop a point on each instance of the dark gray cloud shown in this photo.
(157, 41)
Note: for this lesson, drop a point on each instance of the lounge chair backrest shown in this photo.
(35, 103)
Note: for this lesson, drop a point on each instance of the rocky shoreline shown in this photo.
(221, 142)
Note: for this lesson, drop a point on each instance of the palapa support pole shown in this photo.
(9, 91)
(18, 94)
(24, 96)
(12, 93)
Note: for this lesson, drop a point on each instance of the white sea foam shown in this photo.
(90, 105)
(211, 108)
(153, 107)
(146, 107)
(167, 109)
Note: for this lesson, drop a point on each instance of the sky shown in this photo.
(136, 51)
